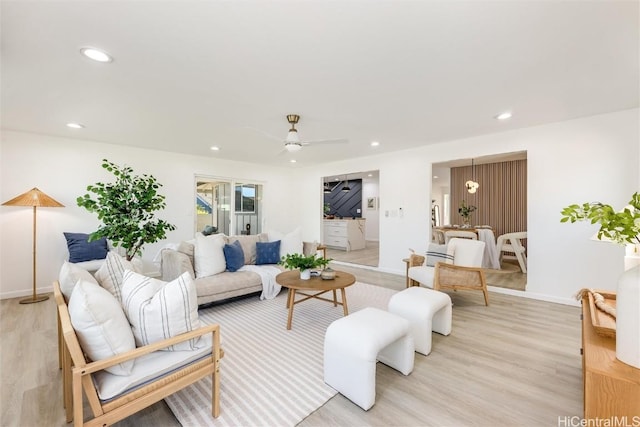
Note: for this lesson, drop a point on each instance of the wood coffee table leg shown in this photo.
(292, 296)
(344, 302)
(335, 300)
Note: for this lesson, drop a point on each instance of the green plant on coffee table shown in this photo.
(293, 261)
(622, 227)
(127, 209)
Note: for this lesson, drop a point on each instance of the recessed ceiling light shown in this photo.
(96, 54)
(370, 175)
(292, 161)
(504, 116)
(435, 176)
(215, 148)
(375, 143)
(75, 125)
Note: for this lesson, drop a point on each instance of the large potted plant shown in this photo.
(303, 263)
(127, 209)
(621, 227)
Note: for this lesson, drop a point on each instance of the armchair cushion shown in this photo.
(147, 368)
(438, 253)
(70, 274)
(422, 274)
(159, 310)
(109, 276)
(101, 326)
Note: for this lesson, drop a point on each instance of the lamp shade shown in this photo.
(34, 197)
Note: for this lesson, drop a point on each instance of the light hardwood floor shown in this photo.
(514, 363)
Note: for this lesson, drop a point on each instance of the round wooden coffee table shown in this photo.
(291, 280)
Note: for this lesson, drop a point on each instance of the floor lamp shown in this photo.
(34, 198)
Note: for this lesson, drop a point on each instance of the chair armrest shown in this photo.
(150, 348)
(175, 263)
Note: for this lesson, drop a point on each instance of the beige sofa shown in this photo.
(226, 284)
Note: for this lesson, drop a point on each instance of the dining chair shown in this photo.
(450, 234)
(438, 236)
(511, 244)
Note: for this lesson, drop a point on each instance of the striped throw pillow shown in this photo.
(159, 310)
(438, 253)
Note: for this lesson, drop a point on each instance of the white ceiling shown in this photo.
(191, 74)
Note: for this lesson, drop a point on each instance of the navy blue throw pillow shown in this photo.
(234, 256)
(267, 252)
(80, 249)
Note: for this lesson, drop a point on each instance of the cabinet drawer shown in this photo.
(341, 242)
(331, 231)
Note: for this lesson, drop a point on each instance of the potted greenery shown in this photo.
(465, 211)
(304, 263)
(127, 209)
(621, 227)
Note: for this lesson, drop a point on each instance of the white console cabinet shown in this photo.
(345, 234)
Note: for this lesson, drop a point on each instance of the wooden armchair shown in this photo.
(464, 273)
(78, 372)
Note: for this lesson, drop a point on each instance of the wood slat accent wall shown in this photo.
(501, 199)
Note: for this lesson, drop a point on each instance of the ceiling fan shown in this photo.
(292, 143)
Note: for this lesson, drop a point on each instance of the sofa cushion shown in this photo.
(109, 276)
(70, 274)
(290, 243)
(233, 255)
(159, 310)
(208, 255)
(80, 249)
(248, 243)
(100, 324)
(267, 252)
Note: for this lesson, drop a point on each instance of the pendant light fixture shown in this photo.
(327, 189)
(472, 185)
(346, 187)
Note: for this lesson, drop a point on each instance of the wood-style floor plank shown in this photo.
(515, 362)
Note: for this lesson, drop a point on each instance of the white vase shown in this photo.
(628, 317)
(305, 274)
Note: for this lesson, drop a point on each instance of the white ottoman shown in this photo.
(352, 345)
(427, 310)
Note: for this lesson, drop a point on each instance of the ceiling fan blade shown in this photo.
(326, 141)
(268, 135)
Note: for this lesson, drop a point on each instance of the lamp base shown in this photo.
(31, 300)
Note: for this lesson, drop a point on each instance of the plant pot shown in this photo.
(305, 274)
(628, 318)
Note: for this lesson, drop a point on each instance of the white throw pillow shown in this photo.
(69, 276)
(209, 255)
(290, 243)
(109, 276)
(159, 310)
(100, 324)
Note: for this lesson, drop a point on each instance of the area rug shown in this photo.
(269, 375)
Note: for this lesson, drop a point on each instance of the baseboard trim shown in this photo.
(25, 293)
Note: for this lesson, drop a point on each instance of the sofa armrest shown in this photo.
(175, 263)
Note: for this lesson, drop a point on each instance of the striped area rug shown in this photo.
(269, 376)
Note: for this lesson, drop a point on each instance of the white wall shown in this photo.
(63, 168)
(370, 188)
(588, 159)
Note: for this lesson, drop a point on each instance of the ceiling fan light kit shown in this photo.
(292, 142)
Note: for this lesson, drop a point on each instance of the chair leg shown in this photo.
(486, 296)
(521, 261)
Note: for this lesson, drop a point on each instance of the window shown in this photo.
(245, 198)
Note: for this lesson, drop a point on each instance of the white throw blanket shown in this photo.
(490, 259)
(268, 273)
